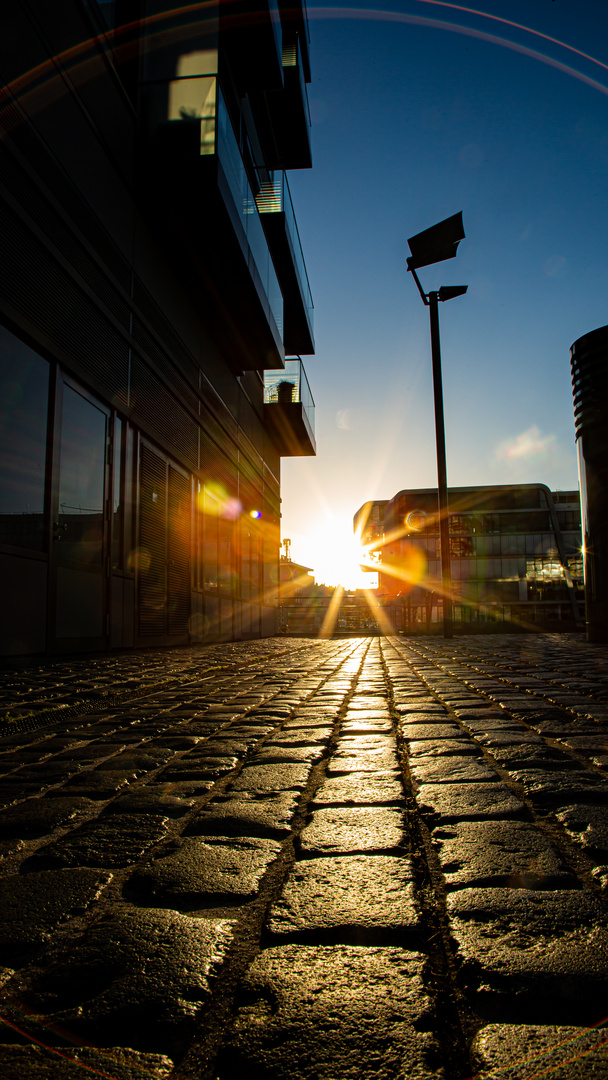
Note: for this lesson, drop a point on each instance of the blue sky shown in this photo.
(412, 123)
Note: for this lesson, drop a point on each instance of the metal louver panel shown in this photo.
(178, 593)
(37, 287)
(215, 466)
(152, 581)
(162, 413)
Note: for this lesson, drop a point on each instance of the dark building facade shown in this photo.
(589, 365)
(515, 557)
(152, 281)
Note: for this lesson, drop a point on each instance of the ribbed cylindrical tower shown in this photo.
(589, 364)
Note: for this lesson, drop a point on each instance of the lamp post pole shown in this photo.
(442, 472)
(432, 246)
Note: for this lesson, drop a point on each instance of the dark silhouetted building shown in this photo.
(589, 364)
(152, 284)
(515, 557)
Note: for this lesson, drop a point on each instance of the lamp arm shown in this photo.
(425, 299)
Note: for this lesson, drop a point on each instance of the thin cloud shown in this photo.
(529, 445)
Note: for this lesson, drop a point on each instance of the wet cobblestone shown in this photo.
(341, 859)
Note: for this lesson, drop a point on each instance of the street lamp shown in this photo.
(434, 245)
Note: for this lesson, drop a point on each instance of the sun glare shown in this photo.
(334, 555)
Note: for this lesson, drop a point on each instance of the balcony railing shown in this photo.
(290, 409)
(236, 176)
(279, 221)
(275, 198)
(288, 386)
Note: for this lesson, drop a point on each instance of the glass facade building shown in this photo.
(515, 557)
(146, 289)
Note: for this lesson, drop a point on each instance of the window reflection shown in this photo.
(117, 497)
(81, 485)
(24, 389)
(210, 545)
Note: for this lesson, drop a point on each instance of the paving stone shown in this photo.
(365, 760)
(48, 772)
(190, 872)
(353, 829)
(38, 817)
(135, 762)
(278, 754)
(535, 956)
(87, 753)
(306, 737)
(245, 814)
(359, 900)
(368, 741)
(13, 792)
(358, 789)
(183, 789)
(74, 1063)
(366, 725)
(112, 842)
(448, 748)
(32, 905)
(267, 778)
(315, 724)
(513, 854)
(486, 730)
(530, 755)
(447, 802)
(419, 709)
(595, 744)
(451, 770)
(587, 825)
(560, 786)
(561, 725)
(517, 1051)
(93, 785)
(369, 704)
(437, 733)
(481, 715)
(99, 990)
(201, 767)
(322, 1013)
(251, 731)
(158, 800)
(179, 742)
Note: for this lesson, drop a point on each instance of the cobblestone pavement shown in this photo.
(316, 860)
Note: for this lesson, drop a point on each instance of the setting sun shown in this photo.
(334, 555)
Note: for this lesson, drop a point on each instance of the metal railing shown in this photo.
(289, 385)
(275, 198)
(244, 201)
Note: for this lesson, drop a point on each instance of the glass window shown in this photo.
(129, 493)
(245, 563)
(225, 553)
(24, 394)
(82, 478)
(211, 509)
(117, 494)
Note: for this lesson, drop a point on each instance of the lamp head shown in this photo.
(448, 292)
(436, 244)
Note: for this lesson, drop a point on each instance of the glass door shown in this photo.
(79, 532)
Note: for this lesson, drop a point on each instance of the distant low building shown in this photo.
(515, 557)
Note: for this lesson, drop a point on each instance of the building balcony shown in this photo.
(201, 170)
(252, 40)
(294, 19)
(289, 410)
(279, 221)
(282, 117)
